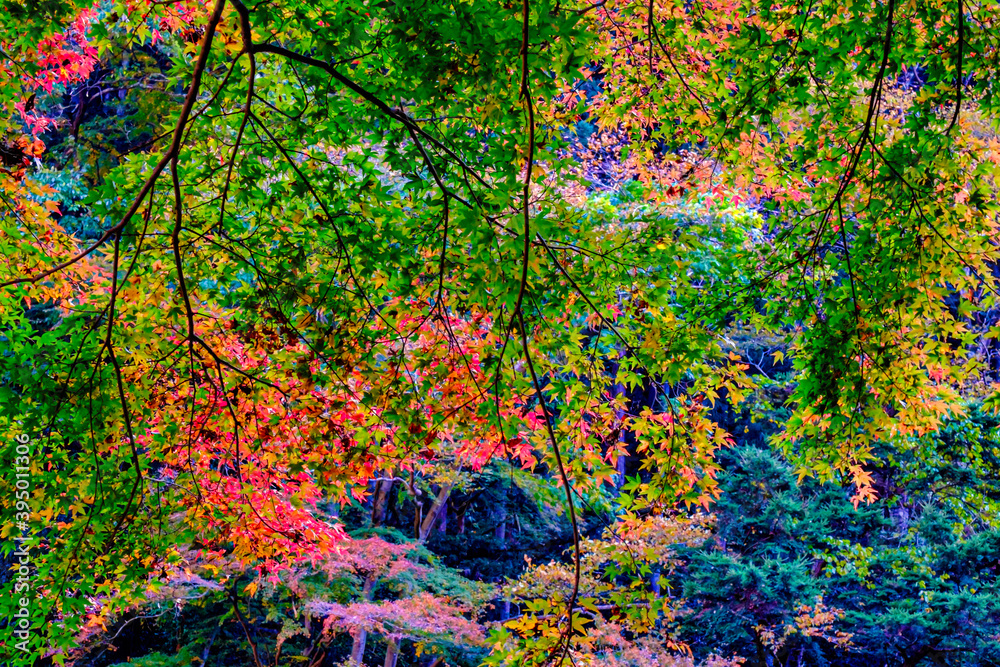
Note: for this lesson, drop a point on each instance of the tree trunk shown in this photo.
(500, 532)
(763, 657)
(442, 524)
(392, 510)
(620, 465)
(621, 459)
(432, 514)
(382, 491)
(211, 640)
(358, 648)
(391, 654)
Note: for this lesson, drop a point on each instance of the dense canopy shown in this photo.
(511, 333)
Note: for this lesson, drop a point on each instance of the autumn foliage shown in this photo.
(287, 287)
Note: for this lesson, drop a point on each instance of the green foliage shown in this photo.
(958, 467)
(909, 577)
(260, 258)
(70, 191)
(182, 658)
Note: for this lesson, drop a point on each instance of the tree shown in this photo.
(358, 243)
(865, 133)
(898, 581)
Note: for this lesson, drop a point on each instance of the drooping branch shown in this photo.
(170, 154)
